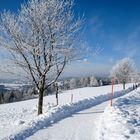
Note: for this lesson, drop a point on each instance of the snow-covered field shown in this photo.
(122, 121)
(19, 120)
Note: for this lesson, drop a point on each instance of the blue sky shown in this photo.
(113, 25)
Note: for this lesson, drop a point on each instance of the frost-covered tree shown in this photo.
(41, 37)
(85, 81)
(73, 83)
(124, 71)
(93, 81)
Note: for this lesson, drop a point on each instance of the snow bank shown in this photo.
(122, 120)
(57, 113)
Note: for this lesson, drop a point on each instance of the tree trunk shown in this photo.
(40, 101)
(124, 85)
(56, 86)
(57, 100)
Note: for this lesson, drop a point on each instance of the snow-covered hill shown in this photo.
(19, 120)
(122, 121)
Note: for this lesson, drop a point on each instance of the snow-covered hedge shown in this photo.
(122, 121)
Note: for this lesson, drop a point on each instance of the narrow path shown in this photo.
(82, 125)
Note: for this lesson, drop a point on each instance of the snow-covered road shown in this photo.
(82, 125)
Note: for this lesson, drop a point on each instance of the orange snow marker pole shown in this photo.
(112, 93)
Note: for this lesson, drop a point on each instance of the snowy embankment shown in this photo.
(122, 120)
(19, 120)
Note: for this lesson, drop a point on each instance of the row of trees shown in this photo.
(24, 92)
(81, 82)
